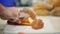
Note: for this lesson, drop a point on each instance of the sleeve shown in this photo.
(0, 1)
(7, 3)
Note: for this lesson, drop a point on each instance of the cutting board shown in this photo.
(10, 29)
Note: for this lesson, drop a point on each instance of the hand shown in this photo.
(9, 13)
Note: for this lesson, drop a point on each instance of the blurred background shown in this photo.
(27, 3)
(23, 3)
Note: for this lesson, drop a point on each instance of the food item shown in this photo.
(42, 5)
(24, 21)
(51, 2)
(57, 4)
(31, 13)
(56, 11)
(37, 24)
(42, 12)
(54, 3)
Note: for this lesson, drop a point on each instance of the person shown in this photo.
(8, 11)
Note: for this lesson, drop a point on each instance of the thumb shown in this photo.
(2, 7)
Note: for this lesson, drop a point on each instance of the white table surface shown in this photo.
(51, 25)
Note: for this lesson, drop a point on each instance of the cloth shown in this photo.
(7, 3)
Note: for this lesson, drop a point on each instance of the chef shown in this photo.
(8, 11)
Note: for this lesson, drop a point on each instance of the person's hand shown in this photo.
(9, 13)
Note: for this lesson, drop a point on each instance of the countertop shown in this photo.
(54, 22)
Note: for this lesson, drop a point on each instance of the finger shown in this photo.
(18, 21)
(16, 14)
(11, 20)
(14, 19)
(3, 18)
